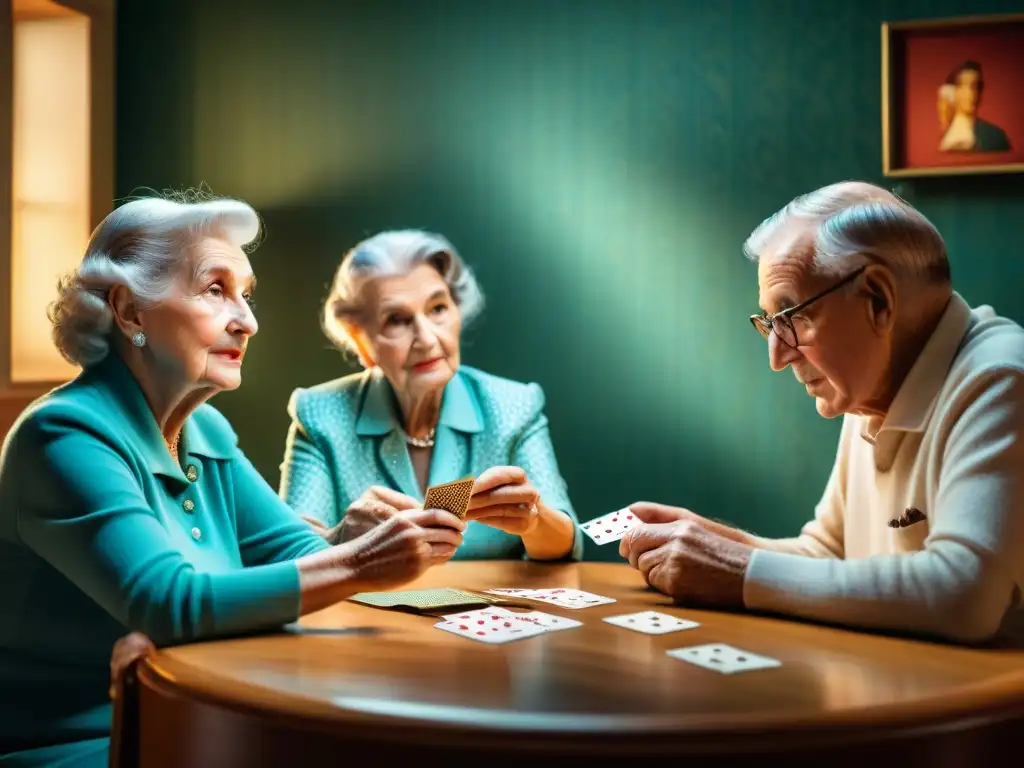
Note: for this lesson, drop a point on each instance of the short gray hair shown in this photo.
(388, 254)
(143, 245)
(860, 223)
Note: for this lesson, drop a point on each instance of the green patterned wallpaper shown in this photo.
(598, 162)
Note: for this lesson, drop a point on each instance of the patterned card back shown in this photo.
(424, 599)
(453, 497)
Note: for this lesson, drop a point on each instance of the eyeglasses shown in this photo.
(782, 323)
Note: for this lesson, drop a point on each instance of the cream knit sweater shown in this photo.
(951, 448)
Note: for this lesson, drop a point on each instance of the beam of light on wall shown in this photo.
(637, 254)
(50, 181)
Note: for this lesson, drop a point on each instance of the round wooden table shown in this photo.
(354, 684)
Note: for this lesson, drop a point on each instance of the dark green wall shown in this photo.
(598, 163)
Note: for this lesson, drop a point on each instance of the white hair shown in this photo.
(859, 223)
(143, 245)
(388, 254)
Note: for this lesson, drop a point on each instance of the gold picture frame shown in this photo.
(907, 149)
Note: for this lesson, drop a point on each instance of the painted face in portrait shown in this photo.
(968, 91)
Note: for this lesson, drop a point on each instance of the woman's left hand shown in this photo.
(127, 650)
(503, 498)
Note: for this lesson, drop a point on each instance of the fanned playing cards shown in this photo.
(453, 497)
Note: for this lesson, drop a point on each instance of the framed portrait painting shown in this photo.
(953, 96)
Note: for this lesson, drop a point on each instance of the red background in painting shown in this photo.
(928, 58)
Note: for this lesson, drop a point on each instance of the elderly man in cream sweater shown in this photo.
(920, 528)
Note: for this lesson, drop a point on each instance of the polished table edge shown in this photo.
(973, 707)
(995, 703)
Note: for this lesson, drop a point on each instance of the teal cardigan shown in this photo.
(101, 532)
(345, 437)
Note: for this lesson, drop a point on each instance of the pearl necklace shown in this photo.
(420, 442)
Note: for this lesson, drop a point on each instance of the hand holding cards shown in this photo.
(504, 498)
(393, 553)
(373, 507)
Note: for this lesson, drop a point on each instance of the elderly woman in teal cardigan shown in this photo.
(364, 447)
(125, 503)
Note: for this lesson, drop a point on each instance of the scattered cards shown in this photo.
(489, 626)
(569, 598)
(723, 658)
(611, 527)
(651, 622)
(563, 598)
(548, 621)
(453, 497)
(508, 592)
(499, 625)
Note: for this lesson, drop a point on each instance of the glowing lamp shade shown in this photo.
(50, 183)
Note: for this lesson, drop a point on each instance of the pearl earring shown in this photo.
(139, 339)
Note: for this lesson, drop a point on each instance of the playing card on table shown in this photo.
(569, 598)
(510, 592)
(423, 599)
(453, 497)
(548, 621)
(723, 658)
(651, 622)
(490, 625)
(611, 527)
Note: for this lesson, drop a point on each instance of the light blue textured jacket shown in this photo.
(345, 436)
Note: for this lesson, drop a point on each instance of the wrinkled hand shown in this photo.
(504, 498)
(371, 509)
(688, 557)
(127, 650)
(402, 547)
(661, 514)
(317, 526)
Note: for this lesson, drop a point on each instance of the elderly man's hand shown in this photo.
(687, 557)
(660, 514)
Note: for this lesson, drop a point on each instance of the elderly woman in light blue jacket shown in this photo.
(365, 447)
